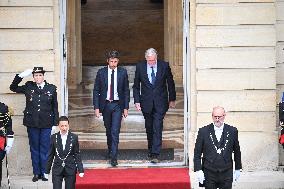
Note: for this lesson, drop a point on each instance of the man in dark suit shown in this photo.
(215, 143)
(40, 115)
(65, 155)
(153, 92)
(111, 97)
(6, 134)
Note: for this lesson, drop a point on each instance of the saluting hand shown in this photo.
(26, 73)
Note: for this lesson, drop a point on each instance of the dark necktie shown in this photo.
(111, 86)
(153, 77)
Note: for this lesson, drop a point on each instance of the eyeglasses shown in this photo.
(218, 117)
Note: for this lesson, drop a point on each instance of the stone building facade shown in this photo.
(236, 61)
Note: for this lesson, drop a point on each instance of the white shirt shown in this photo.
(218, 131)
(64, 139)
(115, 93)
(41, 85)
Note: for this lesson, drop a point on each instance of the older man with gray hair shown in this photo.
(213, 151)
(154, 92)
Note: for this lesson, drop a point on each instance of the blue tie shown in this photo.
(153, 77)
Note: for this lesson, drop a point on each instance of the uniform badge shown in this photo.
(48, 93)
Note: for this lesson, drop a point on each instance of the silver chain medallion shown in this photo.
(219, 151)
(63, 164)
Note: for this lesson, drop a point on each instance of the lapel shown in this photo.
(105, 76)
(145, 75)
(68, 143)
(225, 135)
(59, 142)
(212, 133)
(118, 77)
(159, 70)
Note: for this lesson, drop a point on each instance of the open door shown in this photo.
(77, 97)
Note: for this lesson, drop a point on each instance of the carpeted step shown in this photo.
(135, 178)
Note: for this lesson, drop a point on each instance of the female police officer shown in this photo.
(40, 114)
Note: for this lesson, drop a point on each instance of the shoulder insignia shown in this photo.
(10, 111)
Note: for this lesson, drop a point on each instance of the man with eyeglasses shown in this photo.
(215, 143)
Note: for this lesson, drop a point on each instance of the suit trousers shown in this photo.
(221, 180)
(154, 129)
(112, 116)
(70, 181)
(39, 140)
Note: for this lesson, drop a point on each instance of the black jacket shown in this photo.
(73, 162)
(204, 146)
(101, 86)
(157, 95)
(41, 104)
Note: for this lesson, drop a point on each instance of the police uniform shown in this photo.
(40, 114)
(6, 133)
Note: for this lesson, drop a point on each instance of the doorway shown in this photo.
(96, 26)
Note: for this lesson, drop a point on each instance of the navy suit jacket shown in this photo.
(157, 95)
(101, 86)
(204, 147)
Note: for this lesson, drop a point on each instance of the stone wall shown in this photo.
(233, 54)
(29, 37)
(279, 4)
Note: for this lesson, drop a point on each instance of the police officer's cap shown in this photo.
(38, 70)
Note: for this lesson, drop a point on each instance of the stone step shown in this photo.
(248, 180)
(171, 139)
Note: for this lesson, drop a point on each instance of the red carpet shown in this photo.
(135, 178)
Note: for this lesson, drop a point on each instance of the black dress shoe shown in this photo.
(154, 159)
(36, 177)
(113, 162)
(44, 179)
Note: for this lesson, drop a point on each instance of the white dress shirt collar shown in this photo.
(41, 85)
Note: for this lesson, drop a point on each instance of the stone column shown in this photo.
(74, 44)
(173, 28)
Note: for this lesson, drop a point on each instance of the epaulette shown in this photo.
(10, 111)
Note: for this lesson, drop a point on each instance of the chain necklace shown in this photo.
(63, 159)
(219, 150)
